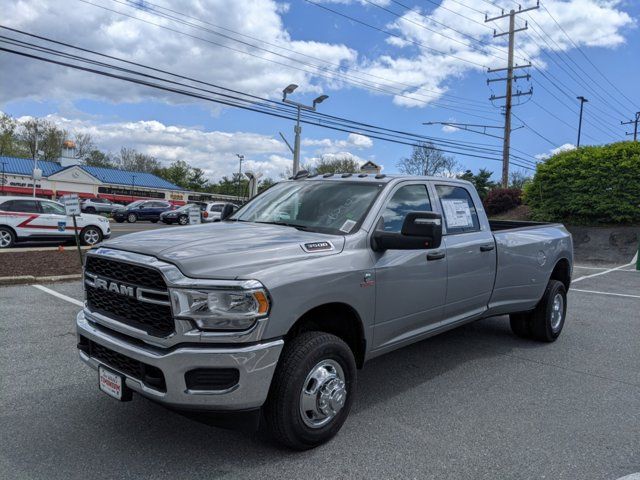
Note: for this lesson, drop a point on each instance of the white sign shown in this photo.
(71, 204)
(457, 213)
(194, 215)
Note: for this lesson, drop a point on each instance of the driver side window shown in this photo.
(410, 198)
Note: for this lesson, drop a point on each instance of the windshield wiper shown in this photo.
(285, 224)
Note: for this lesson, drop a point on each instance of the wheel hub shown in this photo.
(323, 394)
(557, 311)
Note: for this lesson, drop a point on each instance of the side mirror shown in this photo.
(226, 211)
(420, 230)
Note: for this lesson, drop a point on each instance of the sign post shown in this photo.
(72, 209)
(194, 215)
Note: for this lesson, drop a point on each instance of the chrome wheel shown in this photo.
(183, 220)
(557, 311)
(5, 239)
(91, 236)
(323, 394)
(132, 218)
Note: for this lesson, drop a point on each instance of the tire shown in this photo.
(90, 210)
(183, 220)
(132, 218)
(154, 221)
(119, 220)
(309, 353)
(90, 236)
(7, 237)
(545, 322)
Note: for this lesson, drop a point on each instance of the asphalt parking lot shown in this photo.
(473, 403)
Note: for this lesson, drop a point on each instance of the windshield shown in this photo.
(321, 206)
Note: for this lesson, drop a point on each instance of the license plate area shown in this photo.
(113, 384)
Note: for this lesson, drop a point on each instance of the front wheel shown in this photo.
(7, 237)
(312, 390)
(545, 322)
(90, 236)
(183, 219)
(132, 218)
(154, 221)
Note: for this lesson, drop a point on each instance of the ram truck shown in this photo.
(269, 314)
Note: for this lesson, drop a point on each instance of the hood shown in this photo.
(227, 249)
(90, 217)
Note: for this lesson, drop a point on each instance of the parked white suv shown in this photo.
(211, 212)
(26, 218)
(99, 205)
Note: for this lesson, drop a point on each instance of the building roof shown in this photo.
(24, 166)
(113, 176)
(123, 177)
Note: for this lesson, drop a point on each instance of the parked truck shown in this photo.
(268, 314)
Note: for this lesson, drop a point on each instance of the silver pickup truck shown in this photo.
(266, 316)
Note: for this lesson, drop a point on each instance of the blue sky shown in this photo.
(171, 127)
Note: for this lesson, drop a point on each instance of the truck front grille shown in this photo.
(126, 272)
(147, 374)
(153, 318)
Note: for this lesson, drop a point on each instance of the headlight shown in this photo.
(220, 309)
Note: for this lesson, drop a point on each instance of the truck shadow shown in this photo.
(85, 431)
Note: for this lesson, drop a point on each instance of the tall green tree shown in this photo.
(337, 164)
(132, 160)
(481, 180)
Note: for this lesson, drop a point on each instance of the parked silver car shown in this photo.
(98, 205)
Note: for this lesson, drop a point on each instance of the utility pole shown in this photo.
(133, 185)
(582, 102)
(506, 145)
(239, 189)
(635, 126)
(297, 130)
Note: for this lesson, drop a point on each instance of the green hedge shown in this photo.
(590, 185)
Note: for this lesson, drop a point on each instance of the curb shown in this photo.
(41, 249)
(27, 279)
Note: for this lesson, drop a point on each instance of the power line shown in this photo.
(318, 70)
(200, 96)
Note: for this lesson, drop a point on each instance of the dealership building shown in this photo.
(65, 176)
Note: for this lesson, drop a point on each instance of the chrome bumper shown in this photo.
(256, 364)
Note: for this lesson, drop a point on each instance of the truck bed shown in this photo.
(498, 225)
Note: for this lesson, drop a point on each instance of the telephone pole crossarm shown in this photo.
(633, 122)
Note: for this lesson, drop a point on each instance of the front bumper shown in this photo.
(256, 364)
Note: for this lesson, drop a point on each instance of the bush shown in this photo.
(590, 185)
(500, 200)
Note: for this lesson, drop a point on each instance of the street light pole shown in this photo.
(582, 102)
(35, 161)
(239, 189)
(297, 130)
(133, 185)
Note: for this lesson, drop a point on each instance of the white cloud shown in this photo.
(327, 145)
(426, 74)
(259, 22)
(562, 148)
(213, 151)
(417, 74)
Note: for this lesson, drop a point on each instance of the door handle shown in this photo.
(487, 248)
(435, 255)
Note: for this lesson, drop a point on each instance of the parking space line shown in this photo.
(590, 268)
(602, 273)
(605, 293)
(59, 295)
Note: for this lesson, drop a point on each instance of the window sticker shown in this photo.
(347, 226)
(457, 213)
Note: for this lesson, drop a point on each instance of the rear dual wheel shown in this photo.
(312, 390)
(545, 322)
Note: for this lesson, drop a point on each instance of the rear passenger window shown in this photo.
(217, 208)
(411, 198)
(26, 206)
(459, 211)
